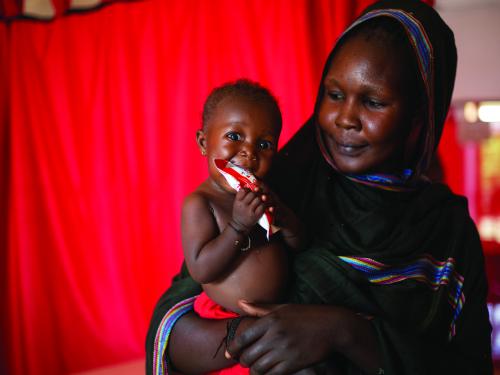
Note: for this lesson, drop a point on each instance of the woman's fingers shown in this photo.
(292, 337)
(248, 337)
(263, 364)
(258, 358)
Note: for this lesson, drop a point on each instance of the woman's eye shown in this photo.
(265, 145)
(372, 103)
(335, 95)
(233, 136)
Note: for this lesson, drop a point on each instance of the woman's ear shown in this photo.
(201, 140)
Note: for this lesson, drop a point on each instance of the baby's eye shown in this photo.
(375, 104)
(335, 95)
(265, 145)
(233, 136)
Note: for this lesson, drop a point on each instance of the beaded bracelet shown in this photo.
(247, 247)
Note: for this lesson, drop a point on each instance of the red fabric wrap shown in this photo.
(205, 307)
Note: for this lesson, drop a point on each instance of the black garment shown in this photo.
(412, 320)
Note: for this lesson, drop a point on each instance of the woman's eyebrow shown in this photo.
(232, 122)
(330, 81)
(367, 87)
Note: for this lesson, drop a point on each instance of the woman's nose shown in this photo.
(347, 117)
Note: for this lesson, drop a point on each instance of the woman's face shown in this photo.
(365, 111)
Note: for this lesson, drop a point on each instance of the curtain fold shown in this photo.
(4, 193)
(98, 114)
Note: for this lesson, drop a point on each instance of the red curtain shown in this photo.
(46, 9)
(98, 113)
(451, 155)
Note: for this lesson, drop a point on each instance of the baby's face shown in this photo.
(365, 112)
(243, 132)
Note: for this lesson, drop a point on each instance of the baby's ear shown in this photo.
(201, 140)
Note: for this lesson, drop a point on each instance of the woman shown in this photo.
(393, 280)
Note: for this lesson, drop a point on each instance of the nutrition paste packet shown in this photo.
(238, 178)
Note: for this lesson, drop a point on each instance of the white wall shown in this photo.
(476, 24)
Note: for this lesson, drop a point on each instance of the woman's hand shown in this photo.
(292, 230)
(289, 338)
(286, 339)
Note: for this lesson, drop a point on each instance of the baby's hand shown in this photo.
(248, 207)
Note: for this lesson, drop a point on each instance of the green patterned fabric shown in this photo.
(412, 319)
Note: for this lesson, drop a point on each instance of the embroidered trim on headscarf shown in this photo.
(425, 269)
(391, 182)
(163, 334)
(384, 181)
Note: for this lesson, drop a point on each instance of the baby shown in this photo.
(225, 250)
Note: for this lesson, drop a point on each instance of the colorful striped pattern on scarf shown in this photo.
(379, 181)
(163, 334)
(426, 269)
(385, 181)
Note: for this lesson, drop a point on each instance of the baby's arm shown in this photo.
(209, 253)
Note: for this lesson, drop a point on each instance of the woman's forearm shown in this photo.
(194, 342)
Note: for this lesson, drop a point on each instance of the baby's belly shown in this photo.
(260, 275)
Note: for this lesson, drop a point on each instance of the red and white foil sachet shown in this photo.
(238, 178)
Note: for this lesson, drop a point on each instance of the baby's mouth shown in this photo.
(243, 164)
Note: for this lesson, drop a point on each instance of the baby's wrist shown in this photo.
(238, 227)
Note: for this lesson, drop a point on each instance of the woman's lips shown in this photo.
(350, 149)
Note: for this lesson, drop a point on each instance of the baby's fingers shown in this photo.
(250, 198)
(241, 194)
(259, 210)
(257, 204)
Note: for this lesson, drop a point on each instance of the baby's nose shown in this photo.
(248, 152)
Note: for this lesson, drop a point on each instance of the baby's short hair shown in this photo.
(241, 89)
